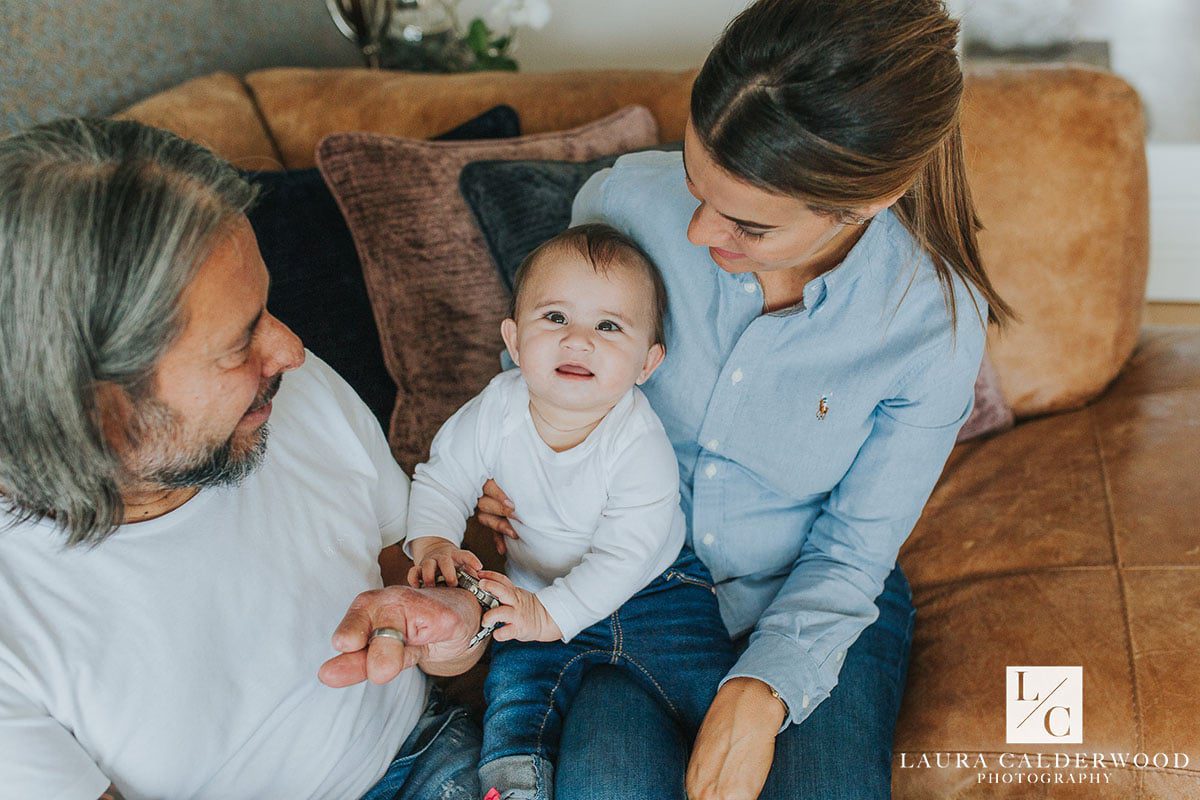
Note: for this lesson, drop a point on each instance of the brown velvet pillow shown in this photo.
(434, 290)
(991, 413)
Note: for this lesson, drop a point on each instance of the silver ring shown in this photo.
(387, 633)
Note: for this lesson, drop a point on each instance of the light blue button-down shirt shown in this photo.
(808, 439)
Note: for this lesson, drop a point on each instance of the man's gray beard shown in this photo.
(156, 429)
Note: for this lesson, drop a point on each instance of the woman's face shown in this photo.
(747, 229)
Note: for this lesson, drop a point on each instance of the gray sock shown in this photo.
(519, 777)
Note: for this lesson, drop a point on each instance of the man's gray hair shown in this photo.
(103, 224)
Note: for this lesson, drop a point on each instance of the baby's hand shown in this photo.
(524, 617)
(433, 554)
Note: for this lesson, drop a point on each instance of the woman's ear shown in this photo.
(508, 332)
(869, 212)
(654, 357)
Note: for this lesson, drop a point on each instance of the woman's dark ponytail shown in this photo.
(939, 213)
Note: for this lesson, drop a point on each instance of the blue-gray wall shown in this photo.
(70, 57)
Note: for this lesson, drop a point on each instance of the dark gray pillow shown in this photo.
(520, 204)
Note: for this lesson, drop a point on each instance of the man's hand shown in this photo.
(524, 617)
(433, 554)
(437, 625)
(736, 743)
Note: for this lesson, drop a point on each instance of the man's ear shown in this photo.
(508, 332)
(114, 408)
(654, 357)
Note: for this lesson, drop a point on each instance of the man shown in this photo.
(168, 583)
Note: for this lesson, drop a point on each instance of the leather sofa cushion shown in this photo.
(217, 111)
(1068, 540)
(1057, 163)
(301, 106)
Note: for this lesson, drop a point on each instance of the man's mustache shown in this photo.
(266, 394)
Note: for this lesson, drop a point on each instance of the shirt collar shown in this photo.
(862, 257)
(865, 253)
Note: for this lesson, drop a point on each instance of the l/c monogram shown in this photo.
(1045, 722)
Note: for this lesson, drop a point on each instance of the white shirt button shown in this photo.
(709, 538)
(713, 444)
(804, 701)
(841, 654)
(737, 376)
(750, 287)
(710, 470)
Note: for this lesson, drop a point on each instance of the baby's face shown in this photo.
(582, 338)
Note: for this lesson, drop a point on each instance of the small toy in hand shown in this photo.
(485, 598)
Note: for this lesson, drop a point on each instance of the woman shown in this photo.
(828, 309)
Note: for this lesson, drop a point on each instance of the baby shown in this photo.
(599, 574)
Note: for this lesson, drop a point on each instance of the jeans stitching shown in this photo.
(619, 640)
(650, 677)
(553, 691)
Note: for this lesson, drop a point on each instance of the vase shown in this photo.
(422, 36)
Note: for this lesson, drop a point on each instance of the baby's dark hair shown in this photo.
(605, 248)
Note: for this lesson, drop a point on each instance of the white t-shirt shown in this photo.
(597, 522)
(179, 657)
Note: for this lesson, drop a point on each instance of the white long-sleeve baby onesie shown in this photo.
(597, 522)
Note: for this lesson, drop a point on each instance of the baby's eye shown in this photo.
(557, 317)
(608, 325)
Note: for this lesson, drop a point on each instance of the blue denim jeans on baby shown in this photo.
(655, 637)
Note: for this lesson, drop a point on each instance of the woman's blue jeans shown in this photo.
(668, 639)
(617, 742)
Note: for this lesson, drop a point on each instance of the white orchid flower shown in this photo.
(520, 14)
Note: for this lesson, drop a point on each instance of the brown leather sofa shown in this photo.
(1073, 539)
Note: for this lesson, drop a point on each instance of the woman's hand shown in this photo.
(493, 510)
(433, 555)
(523, 616)
(736, 743)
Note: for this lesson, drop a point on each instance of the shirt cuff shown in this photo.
(560, 608)
(406, 545)
(786, 667)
